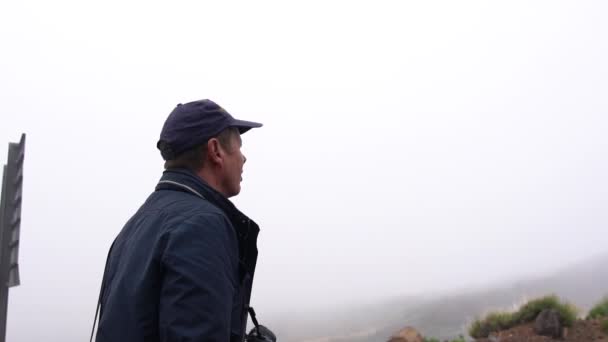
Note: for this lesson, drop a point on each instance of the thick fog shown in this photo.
(407, 148)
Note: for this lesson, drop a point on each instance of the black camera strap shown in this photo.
(254, 319)
(103, 285)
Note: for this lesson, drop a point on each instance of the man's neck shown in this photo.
(212, 180)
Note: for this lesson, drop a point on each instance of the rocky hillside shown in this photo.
(583, 284)
(542, 319)
(448, 316)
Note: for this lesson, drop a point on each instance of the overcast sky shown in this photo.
(406, 148)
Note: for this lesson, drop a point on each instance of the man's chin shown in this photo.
(235, 192)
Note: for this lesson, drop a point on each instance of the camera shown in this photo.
(261, 334)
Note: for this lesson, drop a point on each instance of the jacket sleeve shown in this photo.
(200, 267)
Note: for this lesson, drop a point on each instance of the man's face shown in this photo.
(233, 165)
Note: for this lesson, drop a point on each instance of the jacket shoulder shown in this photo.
(180, 204)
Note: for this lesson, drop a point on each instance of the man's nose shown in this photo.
(244, 159)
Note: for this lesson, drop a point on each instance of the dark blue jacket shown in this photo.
(181, 269)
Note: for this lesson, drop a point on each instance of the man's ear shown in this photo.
(215, 153)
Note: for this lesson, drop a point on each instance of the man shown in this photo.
(182, 267)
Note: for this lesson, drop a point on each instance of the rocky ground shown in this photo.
(581, 331)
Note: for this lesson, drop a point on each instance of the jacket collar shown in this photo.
(186, 181)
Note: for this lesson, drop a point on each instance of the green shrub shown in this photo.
(527, 313)
(495, 321)
(498, 321)
(426, 339)
(600, 310)
(478, 329)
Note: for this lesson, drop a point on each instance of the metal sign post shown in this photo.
(10, 225)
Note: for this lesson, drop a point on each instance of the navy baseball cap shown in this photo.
(194, 123)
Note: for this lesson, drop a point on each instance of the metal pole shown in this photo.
(3, 259)
(10, 224)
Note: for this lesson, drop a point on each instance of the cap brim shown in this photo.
(244, 126)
